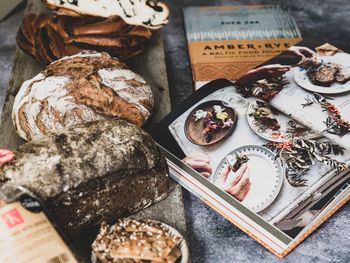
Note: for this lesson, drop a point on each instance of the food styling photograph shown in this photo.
(162, 131)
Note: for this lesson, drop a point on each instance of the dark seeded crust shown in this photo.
(133, 241)
(97, 171)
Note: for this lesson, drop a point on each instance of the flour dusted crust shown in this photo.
(90, 173)
(148, 13)
(77, 89)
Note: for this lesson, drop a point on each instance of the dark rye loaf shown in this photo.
(97, 171)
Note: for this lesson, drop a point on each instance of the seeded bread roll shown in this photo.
(153, 14)
(132, 241)
(90, 173)
(77, 89)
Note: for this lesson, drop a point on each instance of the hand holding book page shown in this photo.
(234, 183)
(302, 52)
(5, 156)
(276, 70)
(199, 161)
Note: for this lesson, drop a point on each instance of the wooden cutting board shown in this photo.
(151, 65)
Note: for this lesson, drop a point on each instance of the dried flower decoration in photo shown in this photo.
(296, 129)
(263, 115)
(213, 121)
(300, 155)
(335, 124)
(264, 89)
(50, 38)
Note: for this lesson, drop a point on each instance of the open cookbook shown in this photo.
(269, 152)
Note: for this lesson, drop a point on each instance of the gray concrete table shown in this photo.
(211, 237)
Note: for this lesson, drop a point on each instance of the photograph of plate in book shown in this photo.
(286, 157)
(263, 188)
(273, 125)
(210, 123)
(326, 74)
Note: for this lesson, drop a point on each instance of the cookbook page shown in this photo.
(257, 156)
(318, 95)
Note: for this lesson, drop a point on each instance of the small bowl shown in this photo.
(173, 232)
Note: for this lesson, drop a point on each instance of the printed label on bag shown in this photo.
(26, 235)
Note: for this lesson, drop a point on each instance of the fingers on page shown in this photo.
(235, 178)
(244, 192)
(206, 175)
(203, 157)
(307, 52)
(222, 178)
(199, 165)
(198, 156)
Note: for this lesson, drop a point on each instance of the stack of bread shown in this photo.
(120, 28)
(49, 38)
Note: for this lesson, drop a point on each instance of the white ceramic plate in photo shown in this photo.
(185, 254)
(284, 134)
(265, 174)
(303, 80)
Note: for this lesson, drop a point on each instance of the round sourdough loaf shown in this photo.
(77, 89)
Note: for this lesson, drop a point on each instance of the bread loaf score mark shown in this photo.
(78, 89)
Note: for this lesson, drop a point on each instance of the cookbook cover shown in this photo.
(227, 41)
(271, 151)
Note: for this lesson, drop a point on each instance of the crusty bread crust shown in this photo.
(77, 89)
(93, 172)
